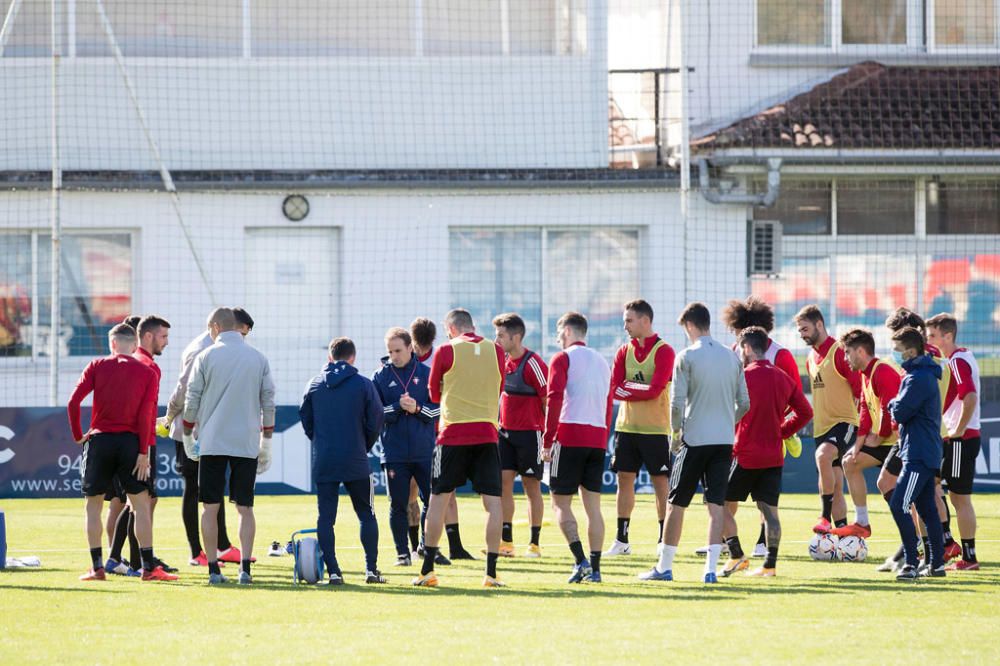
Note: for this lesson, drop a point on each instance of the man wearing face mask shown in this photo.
(917, 410)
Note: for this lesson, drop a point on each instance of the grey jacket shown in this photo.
(176, 405)
(708, 394)
(230, 397)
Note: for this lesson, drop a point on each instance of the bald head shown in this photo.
(220, 321)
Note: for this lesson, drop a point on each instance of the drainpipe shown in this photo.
(766, 199)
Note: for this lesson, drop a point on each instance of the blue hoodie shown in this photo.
(406, 438)
(342, 415)
(917, 410)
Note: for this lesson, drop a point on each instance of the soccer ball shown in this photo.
(823, 547)
(852, 549)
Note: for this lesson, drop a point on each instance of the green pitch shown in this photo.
(846, 612)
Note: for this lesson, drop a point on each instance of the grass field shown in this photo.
(826, 611)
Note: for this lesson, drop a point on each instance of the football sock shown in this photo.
(712, 559)
(414, 537)
(507, 532)
(888, 495)
(146, 556)
(735, 549)
(577, 549)
(772, 557)
(762, 538)
(536, 531)
(430, 552)
(213, 568)
(595, 560)
(245, 565)
(927, 550)
(666, 562)
(659, 535)
(96, 559)
(969, 550)
(840, 523)
(623, 529)
(135, 553)
(827, 506)
(121, 533)
(861, 515)
(454, 538)
(491, 564)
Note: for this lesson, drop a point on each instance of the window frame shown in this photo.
(35, 233)
(922, 23)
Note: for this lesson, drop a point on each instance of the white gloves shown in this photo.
(264, 457)
(191, 448)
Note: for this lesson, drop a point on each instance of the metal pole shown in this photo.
(56, 222)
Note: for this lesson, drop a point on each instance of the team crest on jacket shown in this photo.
(416, 380)
(391, 473)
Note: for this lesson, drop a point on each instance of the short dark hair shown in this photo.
(811, 313)
(910, 338)
(756, 338)
(461, 319)
(738, 315)
(342, 349)
(123, 332)
(573, 320)
(243, 317)
(510, 322)
(132, 321)
(640, 307)
(697, 315)
(903, 317)
(423, 331)
(859, 337)
(151, 323)
(223, 318)
(944, 322)
(401, 333)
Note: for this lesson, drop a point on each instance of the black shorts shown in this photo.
(694, 464)
(958, 467)
(116, 491)
(521, 451)
(879, 453)
(893, 464)
(843, 436)
(764, 485)
(575, 467)
(151, 481)
(107, 455)
(453, 466)
(212, 479)
(633, 450)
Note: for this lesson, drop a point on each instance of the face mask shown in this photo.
(898, 357)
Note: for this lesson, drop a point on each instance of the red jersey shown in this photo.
(784, 361)
(962, 384)
(521, 411)
(147, 360)
(760, 432)
(884, 383)
(458, 434)
(125, 393)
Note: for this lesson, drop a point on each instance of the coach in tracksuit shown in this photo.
(917, 410)
(342, 415)
(407, 433)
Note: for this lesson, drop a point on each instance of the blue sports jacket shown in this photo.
(917, 410)
(342, 415)
(406, 438)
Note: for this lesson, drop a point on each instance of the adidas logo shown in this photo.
(529, 471)
(391, 384)
(664, 469)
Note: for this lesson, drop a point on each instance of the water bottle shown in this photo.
(3, 542)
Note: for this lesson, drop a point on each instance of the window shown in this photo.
(963, 207)
(333, 27)
(803, 208)
(161, 28)
(914, 25)
(793, 22)
(95, 291)
(874, 21)
(882, 207)
(965, 22)
(593, 271)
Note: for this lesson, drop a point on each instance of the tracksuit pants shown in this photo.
(916, 486)
(362, 493)
(398, 476)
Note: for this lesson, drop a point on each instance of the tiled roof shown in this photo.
(872, 106)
